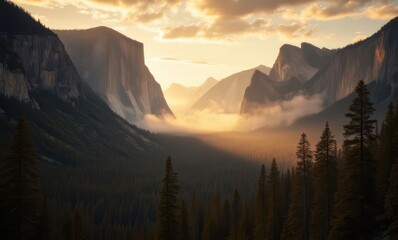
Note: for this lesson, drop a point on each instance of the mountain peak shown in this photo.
(14, 20)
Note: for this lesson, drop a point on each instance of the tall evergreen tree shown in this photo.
(354, 210)
(235, 216)
(225, 222)
(325, 177)
(168, 209)
(391, 204)
(299, 207)
(21, 200)
(196, 218)
(261, 207)
(75, 231)
(273, 230)
(386, 155)
(184, 223)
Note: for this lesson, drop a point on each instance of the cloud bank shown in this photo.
(283, 113)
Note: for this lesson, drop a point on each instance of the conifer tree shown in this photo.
(196, 218)
(225, 221)
(45, 231)
(354, 210)
(274, 214)
(261, 207)
(391, 203)
(168, 209)
(325, 177)
(73, 228)
(21, 200)
(235, 216)
(386, 155)
(184, 223)
(299, 207)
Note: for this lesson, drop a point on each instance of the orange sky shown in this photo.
(187, 41)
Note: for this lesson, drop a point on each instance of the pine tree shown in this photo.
(391, 203)
(196, 218)
(21, 201)
(168, 209)
(184, 223)
(289, 229)
(235, 216)
(261, 205)
(325, 177)
(45, 230)
(386, 155)
(225, 220)
(354, 209)
(274, 213)
(73, 228)
(299, 207)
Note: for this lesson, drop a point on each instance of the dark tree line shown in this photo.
(327, 195)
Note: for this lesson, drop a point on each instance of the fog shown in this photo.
(283, 113)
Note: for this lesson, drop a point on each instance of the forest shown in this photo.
(332, 192)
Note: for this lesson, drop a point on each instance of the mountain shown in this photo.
(301, 63)
(113, 65)
(227, 95)
(263, 91)
(33, 58)
(69, 123)
(181, 97)
(373, 59)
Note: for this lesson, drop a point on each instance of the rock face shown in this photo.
(113, 66)
(263, 91)
(373, 59)
(181, 98)
(301, 63)
(227, 95)
(33, 58)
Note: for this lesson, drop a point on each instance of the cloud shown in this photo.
(382, 12)
(183, 61)
(238, 8)
(224, 27)
(189, 31)
(358, 38)
(283, 113)
(296, 30)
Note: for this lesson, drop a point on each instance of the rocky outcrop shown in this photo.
(42, 64)
(301, 63)
(263, 91)
(113, 65)
(227, 95)
(373, 59)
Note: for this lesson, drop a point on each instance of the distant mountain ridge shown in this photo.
(227, 95)
(180, 98)
(373, 60)
(113, 65)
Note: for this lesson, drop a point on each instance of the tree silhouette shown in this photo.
(325, 177)
(261, 207)
(21, 200)
(168, 209)
(354, 210)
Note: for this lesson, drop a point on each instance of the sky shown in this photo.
(187, 41)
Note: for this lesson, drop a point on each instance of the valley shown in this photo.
(93, 145)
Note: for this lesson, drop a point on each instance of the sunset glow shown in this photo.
(188, 41)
